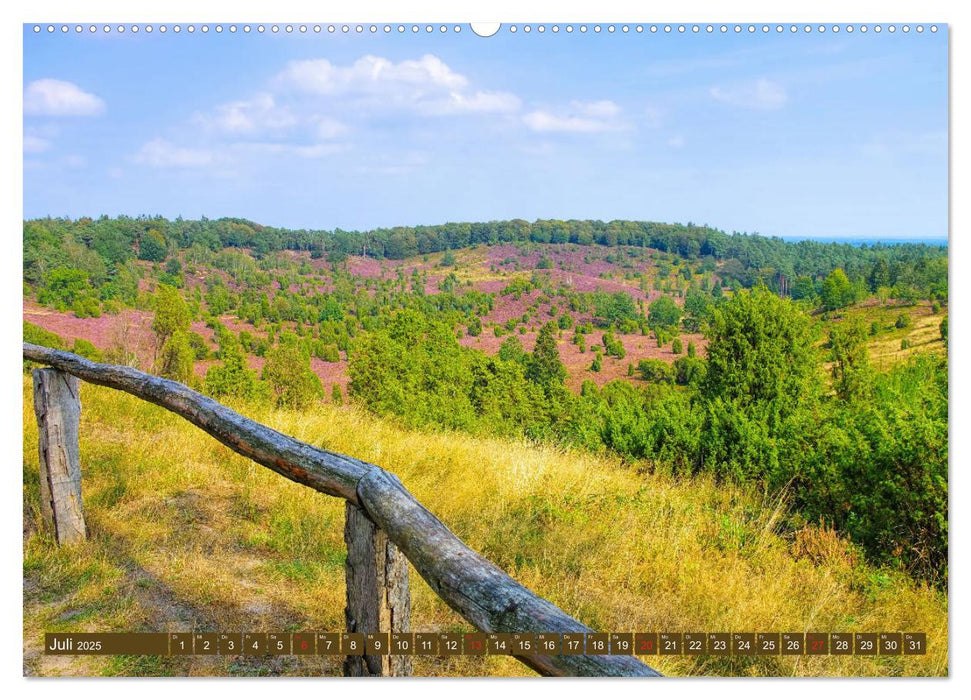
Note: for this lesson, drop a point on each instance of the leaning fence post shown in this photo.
(57, 404)
(378, 597)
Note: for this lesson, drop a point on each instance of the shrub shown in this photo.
(35, 335)
(200, 348)
(689, 370)
(663, 313)
(176, 358)
(613, 347)
(86, 307)
(85, 348)
(171, 313)
(288, 374)
(231, 377)
(656, 371)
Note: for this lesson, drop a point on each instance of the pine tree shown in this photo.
(544, 367)
(176, 358)
(171, 313)
(287, 371)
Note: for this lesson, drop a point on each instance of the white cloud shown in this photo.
(762, 94)
(580, 117)
(600, 108)
(309, 151)
(676, 141)
(35, 144)
(261, 114)
(480, 101)
(50, 97)
(327, 128)
(75, 161)
(160, 153)
(427, 85)
(370, 73)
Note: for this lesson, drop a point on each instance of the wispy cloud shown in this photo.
(50, 97)
(326, 128)
(160, 153)
(760, 94)
(35, 144)
(403, 164)
(578, 117)
(890, 145)
(427, 85)
(300, 150)
(259, 114)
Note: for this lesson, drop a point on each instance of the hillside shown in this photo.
(187, 535)
(519, 287)
(816, 368)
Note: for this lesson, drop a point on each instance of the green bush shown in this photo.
(35, 335)
(85, 348)
(176, 358)
(689, 370)
(86, 307)
(200, 348)
(656, 371)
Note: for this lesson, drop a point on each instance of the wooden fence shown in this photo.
(384, 522)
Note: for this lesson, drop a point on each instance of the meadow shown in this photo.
(186, 535)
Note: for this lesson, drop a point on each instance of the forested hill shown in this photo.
(647, 346)
(742, 258)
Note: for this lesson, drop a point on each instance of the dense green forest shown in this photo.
(745, 259)
(782, 396)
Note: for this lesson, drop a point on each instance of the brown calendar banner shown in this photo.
(480, 644)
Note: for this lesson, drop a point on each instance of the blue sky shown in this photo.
(795, 135)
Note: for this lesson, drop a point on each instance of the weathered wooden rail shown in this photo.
(383, 520)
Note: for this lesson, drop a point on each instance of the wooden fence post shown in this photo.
(57, 404)
(378, 597)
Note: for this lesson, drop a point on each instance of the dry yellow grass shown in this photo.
(187, 535)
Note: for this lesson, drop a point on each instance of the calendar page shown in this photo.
(452, 349)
